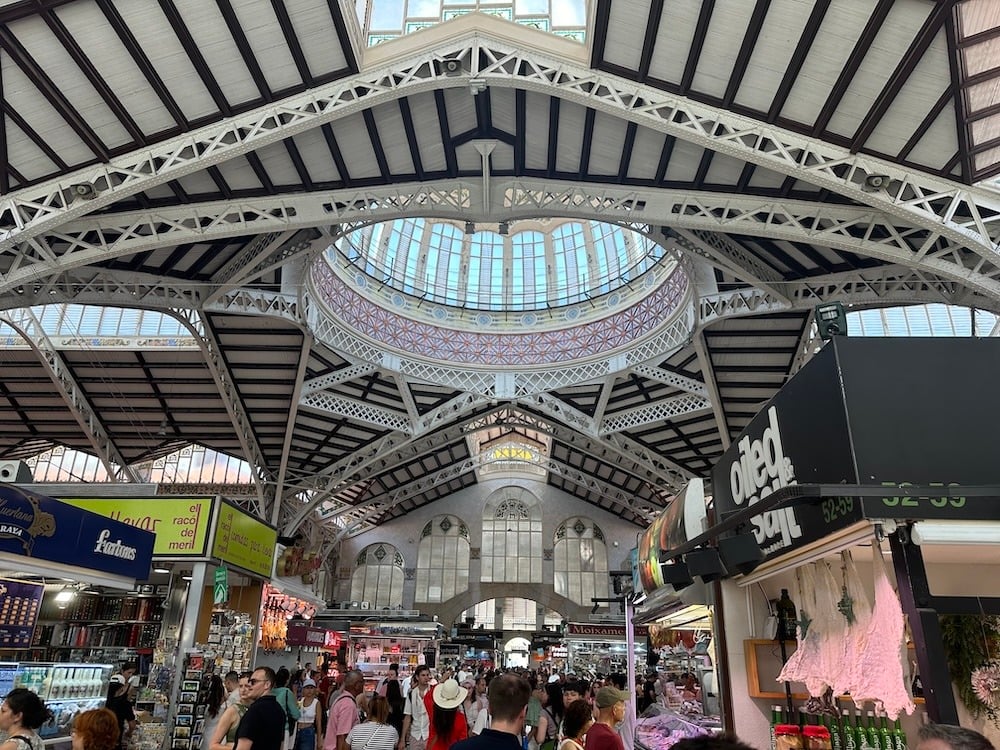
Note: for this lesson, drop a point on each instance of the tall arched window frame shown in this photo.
(442, 560)
(512, 537)
(581, 561)
(378, 576)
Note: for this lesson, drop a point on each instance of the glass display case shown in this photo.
(659, 727)
(67, 689)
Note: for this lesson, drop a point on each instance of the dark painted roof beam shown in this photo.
(411, 137)
(450, 158)
(808, 36)
(294, 48)
(380, 158)
(344, 38)
(245, 49)
(907, 64)
(697, 44)
(40, 143)
(95, 79)
(53, 95)
(553, 134)
(653, 19)
(299, 163)
(193, 52)
(588, 141)
(750, 38)
(337, 155)
(850, 69)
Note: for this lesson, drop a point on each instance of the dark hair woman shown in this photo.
(376, 733)
(216, 707)
(578, 719)
(96, 729)
(119, 703)
(21, 714)
(394, 696)
(447, 722)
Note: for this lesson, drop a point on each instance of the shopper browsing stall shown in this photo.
(610, 702)
(21, 714)
(95, 730)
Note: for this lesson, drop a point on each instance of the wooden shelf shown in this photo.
(763, 660)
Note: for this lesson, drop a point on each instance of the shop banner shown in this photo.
(44, 528)
(869, 411)
(244, 541)
(304, 634)
(681, 520)
(592, 630)
(799, 437)
(181, 524)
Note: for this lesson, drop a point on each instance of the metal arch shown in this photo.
(964, 215)
(293, 411)
(24, 322)
(216, 363)
(720, 250)
(335, 378)
(351, 408)
(251, 257)
(660, 411)
(854, 229)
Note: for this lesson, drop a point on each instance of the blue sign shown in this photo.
(44, 528)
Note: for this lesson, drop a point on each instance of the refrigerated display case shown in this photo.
(66, 689)
(660, 727)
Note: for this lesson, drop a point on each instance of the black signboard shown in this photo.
(799, 437)
(867, 411)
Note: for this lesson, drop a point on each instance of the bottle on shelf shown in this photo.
(775, 720)
(874, 737)
(787, 617)
(836, 737)
(859, 732)
(898, 736)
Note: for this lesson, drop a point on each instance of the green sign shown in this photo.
(244, 541)
(221, 588)
(180, 524)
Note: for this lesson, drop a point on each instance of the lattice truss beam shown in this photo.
(870, 287)
(377, 507)
(955, 216)
(27, 324)
(692, 220)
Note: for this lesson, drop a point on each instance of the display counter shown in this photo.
(659, 727)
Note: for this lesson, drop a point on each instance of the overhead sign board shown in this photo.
(181, 524)
(244, 541)
(42, 527)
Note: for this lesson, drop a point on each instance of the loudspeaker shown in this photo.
(15, 471)
(740, 553)
(705, 563)
(831, 320)
(676, 574)
(450, 67)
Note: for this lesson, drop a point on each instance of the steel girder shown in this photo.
(681, 382)
(661, 411)
(965, 217)
(860, 230)
(23, 320)
(341, 406)
(296, 400)
(344, 375)
(217, 366)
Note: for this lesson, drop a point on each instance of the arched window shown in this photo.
(581, 561)
(442, 560)
(512, 537)
(378, 576)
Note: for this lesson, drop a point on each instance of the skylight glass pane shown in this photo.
(921, 320)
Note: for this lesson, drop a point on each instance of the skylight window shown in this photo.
(388, 19)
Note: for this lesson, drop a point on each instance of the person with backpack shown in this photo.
(344, 713)
(286, 699)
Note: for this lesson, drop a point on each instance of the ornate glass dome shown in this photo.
(530, 265)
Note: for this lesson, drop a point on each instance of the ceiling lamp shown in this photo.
(956, 532)
(161, 567)
(66, 595)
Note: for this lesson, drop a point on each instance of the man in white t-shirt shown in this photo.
(416, 722)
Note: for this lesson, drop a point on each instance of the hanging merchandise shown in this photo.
(879, 670)
(787, 617)
(856, 609)
(800, 666)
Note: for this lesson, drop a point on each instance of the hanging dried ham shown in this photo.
(878, 674)
(804, 665)
(856, 609)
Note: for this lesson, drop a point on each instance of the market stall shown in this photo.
(828, 493)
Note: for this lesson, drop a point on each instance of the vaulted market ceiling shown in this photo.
(198, 158)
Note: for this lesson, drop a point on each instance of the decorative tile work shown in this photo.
(547, 554)
(390, 328)
(474, 553)
(409, 573)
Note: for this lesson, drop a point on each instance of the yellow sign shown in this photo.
(244, 541)
(180, 524)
